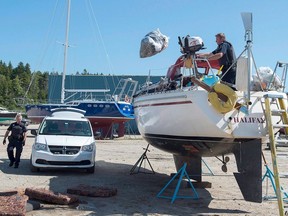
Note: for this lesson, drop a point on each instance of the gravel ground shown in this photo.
(137, 193)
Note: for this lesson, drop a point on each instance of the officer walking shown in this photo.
(16, 139)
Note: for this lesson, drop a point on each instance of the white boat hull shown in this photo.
(190, 114)
(180, 119)
(184, 123)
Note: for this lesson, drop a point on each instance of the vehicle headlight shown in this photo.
(40, 147)
(88, 148)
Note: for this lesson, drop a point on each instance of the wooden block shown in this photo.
(49, 196)
(202, 184)
(8, 193)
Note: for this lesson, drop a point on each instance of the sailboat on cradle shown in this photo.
(103, 114)
(176, 116)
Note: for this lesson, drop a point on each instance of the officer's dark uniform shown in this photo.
(16, 141)
(227, 60)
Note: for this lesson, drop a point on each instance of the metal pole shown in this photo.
(249, 56)
(65, 53)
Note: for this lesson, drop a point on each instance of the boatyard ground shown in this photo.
(137, 193)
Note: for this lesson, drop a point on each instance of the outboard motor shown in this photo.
(190, 45)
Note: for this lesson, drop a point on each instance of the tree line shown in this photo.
(19, 85)
(14, 83)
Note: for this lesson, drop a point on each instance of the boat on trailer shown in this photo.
(179, 115)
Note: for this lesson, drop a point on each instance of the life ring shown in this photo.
(220, 105)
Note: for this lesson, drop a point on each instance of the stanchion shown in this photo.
(140, 161)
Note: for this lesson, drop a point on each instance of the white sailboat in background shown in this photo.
(6, 116)
(179, 119)
(103, 114)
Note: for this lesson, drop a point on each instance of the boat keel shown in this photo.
(190, 150)
(249, 164)
(249, 175)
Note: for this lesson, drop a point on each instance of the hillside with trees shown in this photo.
(15, 82)
(20, 86)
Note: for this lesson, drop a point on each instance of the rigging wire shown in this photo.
(47, 44)
(93, 18)
(45, 48)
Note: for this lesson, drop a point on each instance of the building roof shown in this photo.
(89, 82)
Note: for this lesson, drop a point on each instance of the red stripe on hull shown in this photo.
(164, 104)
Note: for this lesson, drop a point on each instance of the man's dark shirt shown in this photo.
(228, 53)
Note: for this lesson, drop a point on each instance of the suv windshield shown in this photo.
(65, 127)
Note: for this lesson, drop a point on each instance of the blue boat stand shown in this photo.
(181, 172)
(210, 171)
(270, 176)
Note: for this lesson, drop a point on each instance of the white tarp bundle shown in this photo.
(154, 42)
(267, 80)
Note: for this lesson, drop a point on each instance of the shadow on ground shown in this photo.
(137, 193)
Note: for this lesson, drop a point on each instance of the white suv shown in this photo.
(64, 140)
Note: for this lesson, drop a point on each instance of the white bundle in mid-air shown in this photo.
(153, 42)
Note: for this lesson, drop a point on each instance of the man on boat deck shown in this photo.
(16, 139)
(226, 57)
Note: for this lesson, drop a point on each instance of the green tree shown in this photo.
(17, 87)
(85, 72)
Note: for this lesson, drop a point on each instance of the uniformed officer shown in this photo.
(16, 139)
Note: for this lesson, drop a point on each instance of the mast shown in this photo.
(65, 52)
(247, 21)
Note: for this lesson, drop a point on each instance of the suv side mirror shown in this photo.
(34, 132)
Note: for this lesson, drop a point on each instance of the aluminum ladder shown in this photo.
(279, 66)
(271, 126)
